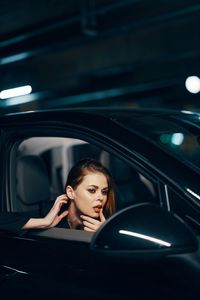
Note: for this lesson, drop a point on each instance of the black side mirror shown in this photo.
(144, 231)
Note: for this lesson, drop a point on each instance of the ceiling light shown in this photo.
(192, 84)
(19, 91)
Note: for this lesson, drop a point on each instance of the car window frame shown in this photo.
(13, 142)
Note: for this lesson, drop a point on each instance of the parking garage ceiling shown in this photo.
(74, 53)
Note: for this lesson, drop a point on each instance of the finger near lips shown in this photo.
(102, 218)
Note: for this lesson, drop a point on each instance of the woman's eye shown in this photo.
(92, 191)
(104, 193)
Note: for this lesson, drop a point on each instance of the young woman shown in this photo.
(89, 199)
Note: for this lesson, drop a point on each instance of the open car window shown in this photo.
(42, 165)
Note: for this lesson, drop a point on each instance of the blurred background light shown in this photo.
(18, 91)
(187, 112)
(174, 139)
(192, 84)
(13, 58)
(177, 139)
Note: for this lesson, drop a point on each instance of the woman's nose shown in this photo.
(100, 197)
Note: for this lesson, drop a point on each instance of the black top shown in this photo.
(13, 222)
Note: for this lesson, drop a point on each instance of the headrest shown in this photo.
(32, 180)
(80, 151)
(120, 171)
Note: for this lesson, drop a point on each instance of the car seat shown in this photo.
(85, 150)
(130, 189)
(33, 187)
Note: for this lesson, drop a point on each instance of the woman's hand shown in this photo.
(91, 224)
(53, 217)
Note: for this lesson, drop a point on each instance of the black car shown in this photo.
(148, 249)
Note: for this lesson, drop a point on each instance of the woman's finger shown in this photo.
(101, 215)
(89, 219)
(63, 215)
(61, 197)
(61, 202)
(90, 225)
(88, 229)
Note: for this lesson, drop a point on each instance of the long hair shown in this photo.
(81, 168)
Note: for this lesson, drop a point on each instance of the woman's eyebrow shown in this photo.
(96, 187)
(92, 185)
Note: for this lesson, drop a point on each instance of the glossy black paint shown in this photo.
(73, 268)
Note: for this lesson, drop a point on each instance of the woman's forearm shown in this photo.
(36, 223)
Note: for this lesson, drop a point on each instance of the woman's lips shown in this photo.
(97, 209)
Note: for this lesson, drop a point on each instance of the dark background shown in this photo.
(97, 53)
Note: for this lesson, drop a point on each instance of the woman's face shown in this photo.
(91, 194)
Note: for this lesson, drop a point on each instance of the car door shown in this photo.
(40, 260)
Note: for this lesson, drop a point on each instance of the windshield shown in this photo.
(178, 135)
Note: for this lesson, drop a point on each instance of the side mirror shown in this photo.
(144, 231)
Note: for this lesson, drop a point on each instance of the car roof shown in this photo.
(113, 111)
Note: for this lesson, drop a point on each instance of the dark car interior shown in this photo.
(41, 177)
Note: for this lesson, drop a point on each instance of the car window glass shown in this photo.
(131, 186)
(181, 139)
